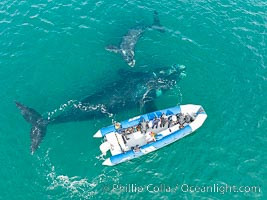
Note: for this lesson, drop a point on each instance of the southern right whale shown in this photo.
(128, 42)
(133, 89)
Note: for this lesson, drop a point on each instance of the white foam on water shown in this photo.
(76, 186)
(79, 105)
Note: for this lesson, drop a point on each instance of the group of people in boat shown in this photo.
(157, 122)
(149, 128)
(165, 120)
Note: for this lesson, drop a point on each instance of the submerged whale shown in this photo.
(133, 89)
(128, 42)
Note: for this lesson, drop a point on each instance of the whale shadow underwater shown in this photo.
(126, 47)
(131, 90)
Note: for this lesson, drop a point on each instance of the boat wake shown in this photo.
(75, 186)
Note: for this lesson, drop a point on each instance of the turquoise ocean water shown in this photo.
(52, 52)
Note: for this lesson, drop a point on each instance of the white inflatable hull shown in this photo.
(123, 150)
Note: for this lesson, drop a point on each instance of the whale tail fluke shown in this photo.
(39, 125)
(156, 23)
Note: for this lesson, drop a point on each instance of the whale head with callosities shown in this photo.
(162, 80)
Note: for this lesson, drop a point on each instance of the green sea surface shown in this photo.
(53, 53)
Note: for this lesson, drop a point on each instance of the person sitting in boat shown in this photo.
(124, 133)
(117, 125)
(169, 121)
(143, 126)
(130, 130)
(127, 131)
(138, 127)
(147, 125)
(174, 119)
(155, 122)
(150, 124)
(187, 118)
(136, 148)
(181, 119)
(163, 120)
(150, 137)
(153, 136)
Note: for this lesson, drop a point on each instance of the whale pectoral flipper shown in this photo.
(156, 23)
(113, 49)
(156, 19)
(39, 125)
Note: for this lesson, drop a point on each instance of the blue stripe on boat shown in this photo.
(147, 117)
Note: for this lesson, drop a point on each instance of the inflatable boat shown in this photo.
(143, 134)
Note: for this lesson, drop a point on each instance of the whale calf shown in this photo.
(131, 90)
(128, 42)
